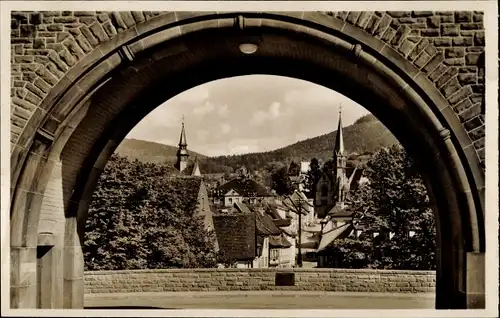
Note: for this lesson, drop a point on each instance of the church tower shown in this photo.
(340, 161)
(182, 154)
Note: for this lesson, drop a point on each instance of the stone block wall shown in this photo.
(447, 46)
(203, 280)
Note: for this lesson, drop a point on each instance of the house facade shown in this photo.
(240, 190)
(250, 238)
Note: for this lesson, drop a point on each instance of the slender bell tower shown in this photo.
(340, 162)
(182, 154)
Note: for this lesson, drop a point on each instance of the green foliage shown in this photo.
(140, 218)
(281, 182)
(313, 176)
(395, 200)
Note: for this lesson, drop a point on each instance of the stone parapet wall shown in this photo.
(341, 280)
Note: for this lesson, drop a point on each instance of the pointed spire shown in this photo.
(339, 139)
(196, 169)
(183, 141)
(182, 153)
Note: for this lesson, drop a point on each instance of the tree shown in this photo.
(281, 182)
(393, 203)
(313, 176)
(140, 218)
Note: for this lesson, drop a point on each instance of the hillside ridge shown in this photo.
(365, 135)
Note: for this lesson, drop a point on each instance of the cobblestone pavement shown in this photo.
(259, 300)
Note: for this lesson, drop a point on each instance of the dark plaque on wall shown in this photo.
(285, 279)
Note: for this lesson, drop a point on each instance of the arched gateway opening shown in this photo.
(58, 157)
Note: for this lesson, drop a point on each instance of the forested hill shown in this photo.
(148, 151)
(366, 135)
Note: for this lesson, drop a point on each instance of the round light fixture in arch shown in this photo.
(248, 48)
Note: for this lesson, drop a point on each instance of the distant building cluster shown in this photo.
(256, 228)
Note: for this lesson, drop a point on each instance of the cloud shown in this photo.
(247, 114)
(260, 116)
(204, 109)
(274, 109)
(240, 149)
(202, 135)
(222, 110)
(225, 128)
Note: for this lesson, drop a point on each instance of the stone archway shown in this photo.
(102, 72)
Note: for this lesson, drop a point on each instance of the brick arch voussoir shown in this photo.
(46, 45)
(446, 46)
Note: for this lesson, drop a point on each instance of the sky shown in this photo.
(246, 114)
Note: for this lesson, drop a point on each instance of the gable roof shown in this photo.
(242, 207)
(196, 169)
(263, 222)
(232, 192)
(294, 169)
(272, 210)
(329, 237)
(297, 203)
(245, 187)
(235, 236)
(338, 211)
(265, 225)
(279, 242)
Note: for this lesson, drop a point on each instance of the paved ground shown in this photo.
(260, 300)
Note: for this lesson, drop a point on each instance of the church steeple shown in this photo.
(182, 154)
(338, 148)
(340, 161)
(183, 141)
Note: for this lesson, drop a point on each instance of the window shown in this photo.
(324, 190)
(324, 195)
(230, 200)
(275, 254)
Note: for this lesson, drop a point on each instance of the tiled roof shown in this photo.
(295, 201)
(288, 232)
(282, 222)
(337, 211)
(354, 179)
(271, 209)
(265, 225)
(329, 237)
(279, 242)
(242, 207)
(236, 235)
(245, 187)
